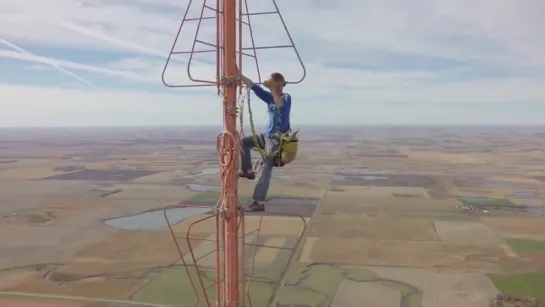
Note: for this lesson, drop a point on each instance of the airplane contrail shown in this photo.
(62, 64)
(114, 40)
(31, 57)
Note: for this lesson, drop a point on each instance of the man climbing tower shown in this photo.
(279, 107)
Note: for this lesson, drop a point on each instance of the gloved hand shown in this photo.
(270, 84)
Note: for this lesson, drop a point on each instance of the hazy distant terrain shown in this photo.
(399, 216)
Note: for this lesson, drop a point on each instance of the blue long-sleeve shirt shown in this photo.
(279, 118)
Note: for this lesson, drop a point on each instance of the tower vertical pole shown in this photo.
(229, 80)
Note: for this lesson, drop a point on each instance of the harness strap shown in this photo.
(259, 139)
(259, 146)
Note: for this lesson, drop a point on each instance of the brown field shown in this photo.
(84, 227)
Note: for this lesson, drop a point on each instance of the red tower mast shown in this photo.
(230, 150)
(231, 263)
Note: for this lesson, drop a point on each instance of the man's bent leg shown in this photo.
(246, 170)
(262, 187)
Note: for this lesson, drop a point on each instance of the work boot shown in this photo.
(250, 175)
(256, 207)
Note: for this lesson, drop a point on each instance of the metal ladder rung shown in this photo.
(194, 239)
(268, 47)
(210, 8)
(261, 279)
(202, 84)
(246, 54)
(269, 246)
(199, 18)
(206, 43)
(209, 51)
(260, 13)
(244, 22)
(212, 17)
(275, 247)
(248, 233)
(249, 262)
(214, 284)
(194, 51)
(209, 253)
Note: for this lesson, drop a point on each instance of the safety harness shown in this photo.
(288, 141)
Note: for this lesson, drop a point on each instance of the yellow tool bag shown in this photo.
(287, 150)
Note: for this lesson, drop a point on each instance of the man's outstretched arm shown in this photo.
(258, 90)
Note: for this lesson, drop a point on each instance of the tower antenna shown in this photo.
(231, 16)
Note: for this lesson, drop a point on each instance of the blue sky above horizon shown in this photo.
(433, 62)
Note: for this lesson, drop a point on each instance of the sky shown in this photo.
(368, 62)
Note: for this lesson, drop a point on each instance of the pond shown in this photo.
(500, 184)
(524, 195)
(536, 210)
(155, 220)
(485, 203)
(374, 177)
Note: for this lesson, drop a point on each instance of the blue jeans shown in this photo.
(264, 180)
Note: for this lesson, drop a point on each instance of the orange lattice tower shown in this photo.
(232, 272)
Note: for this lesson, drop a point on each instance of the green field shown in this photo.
(531, 284)
(173, 288)
(307, 285)
(485, 202)
(525, 247)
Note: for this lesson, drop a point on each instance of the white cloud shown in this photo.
(361, 56)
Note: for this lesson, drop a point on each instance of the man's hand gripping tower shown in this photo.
(233, 267)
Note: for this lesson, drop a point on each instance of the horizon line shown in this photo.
(299, 125)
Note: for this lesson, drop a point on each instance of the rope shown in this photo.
(228, 161)
(255, 136)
